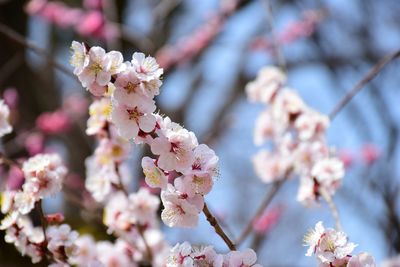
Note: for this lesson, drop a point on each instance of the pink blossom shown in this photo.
(53, 122)
(179, 209)
(362, 259)
(267, 220)
(270, 167)
(91, 24)
(264, 88)
(244, 258)
(132, 113)
(174, 146)
(146, 68)
(154, 176)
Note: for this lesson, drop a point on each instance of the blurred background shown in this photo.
(209, 50)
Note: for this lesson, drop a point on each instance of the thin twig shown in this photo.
(264, 204)
(214, 223)
(18, 38)
(332, 207)
(148, 249)
(120, 183)
(275, 44)
(164, 8)
(374, 71)
(139, 227)
(42, 219)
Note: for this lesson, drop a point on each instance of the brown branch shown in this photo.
(18, 38)
(148, 249)
(374, 71)
(42, 219)
(264, 204)
(214, 223)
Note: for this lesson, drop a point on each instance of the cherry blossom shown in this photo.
(244, 258)
(179, 209)
(146, 67)
(100, 113)
(264, 88)
(132, 113)
(174, 146)
(61, 241)
(44, 174)
(328, 245)
(154, 176)
(79, 59)
(362, 259)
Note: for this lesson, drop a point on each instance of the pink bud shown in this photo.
(55, 218)
(11, 97)
(346, 157)
(267, 220)
(53, 122)
(91, 23)
(370, 153)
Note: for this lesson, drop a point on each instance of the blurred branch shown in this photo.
(164, 8)
(10, 66)
(111, 14)
(277, 50)
(264, 204)
(18, 38)
(332, 207)
(142, 42)
(214, 223)
(366, 79)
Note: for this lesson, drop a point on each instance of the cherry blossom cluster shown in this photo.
(183, 169)
(133, 218)
(185, 255)
(127, 109)
(296, 133)
(43, 175)
(332, 248)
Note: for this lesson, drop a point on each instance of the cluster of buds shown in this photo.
(297, 135)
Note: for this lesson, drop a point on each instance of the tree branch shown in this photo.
(374, 71)
(264, 204)
(214, 223)
(18, 38)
